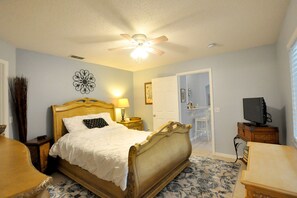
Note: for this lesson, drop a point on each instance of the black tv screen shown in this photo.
(254, 110)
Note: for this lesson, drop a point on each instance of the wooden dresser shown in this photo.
(136, 124)
(248, 132)
(18, 177)
(271, 171)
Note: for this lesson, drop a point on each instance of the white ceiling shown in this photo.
(88, 28)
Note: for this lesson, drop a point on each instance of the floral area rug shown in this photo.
(205, 177)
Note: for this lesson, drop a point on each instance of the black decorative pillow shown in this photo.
(95, 123)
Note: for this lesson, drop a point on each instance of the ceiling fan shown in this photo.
(141, 44)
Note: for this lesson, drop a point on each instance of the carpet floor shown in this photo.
(205, 177)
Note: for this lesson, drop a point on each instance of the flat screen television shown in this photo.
(254, 110)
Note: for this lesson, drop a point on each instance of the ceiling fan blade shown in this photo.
(155, 51)
(158, 40)
(127, 36)
(121, 48)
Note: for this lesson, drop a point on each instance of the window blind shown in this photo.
(293, 54)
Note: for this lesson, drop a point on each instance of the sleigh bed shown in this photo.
(152, 164)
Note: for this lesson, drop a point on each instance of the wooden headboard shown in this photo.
(83, 106)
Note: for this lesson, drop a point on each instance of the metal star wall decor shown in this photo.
(84, 81)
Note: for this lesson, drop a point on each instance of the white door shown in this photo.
(165, 101)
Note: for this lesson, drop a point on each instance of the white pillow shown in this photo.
(76, 123)
(73, 124)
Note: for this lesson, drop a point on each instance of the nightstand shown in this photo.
(39, 150)
(133, 124)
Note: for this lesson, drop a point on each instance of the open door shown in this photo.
(165, 100)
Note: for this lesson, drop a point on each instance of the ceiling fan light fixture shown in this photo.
(141, 45)
(139, 53)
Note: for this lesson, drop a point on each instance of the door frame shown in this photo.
(4, 95)
(207, 70)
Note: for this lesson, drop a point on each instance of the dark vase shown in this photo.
(18, 87)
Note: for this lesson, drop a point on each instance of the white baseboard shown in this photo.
(226, 155)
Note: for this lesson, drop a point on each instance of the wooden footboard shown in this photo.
(156, 161)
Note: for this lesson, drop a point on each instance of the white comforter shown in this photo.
(101, 151)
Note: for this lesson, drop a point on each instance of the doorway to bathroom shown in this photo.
(195, 107)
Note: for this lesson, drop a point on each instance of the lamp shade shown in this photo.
(123, 103)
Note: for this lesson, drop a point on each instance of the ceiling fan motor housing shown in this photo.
(139, 38)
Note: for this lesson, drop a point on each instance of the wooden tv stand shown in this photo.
(252, 133)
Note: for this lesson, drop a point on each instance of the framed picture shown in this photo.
(148, 94)
(182, 95)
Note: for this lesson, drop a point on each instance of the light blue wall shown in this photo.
(50, 82)
(246, 73)
(197, 84)
(288, 28)
(8, 53)
(185, 114)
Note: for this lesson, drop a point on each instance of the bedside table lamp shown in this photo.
(123, 103)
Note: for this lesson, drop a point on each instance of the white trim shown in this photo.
(292, 40)
(226, 155)
(194, 72)
(207, 70)
(4, 82)
(211, 110)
